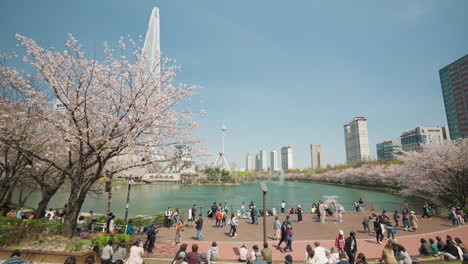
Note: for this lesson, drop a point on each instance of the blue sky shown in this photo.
(280, 72)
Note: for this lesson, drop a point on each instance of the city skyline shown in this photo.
(329, 65)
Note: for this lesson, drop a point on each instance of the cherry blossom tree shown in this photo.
(104, 109)
(439, 170)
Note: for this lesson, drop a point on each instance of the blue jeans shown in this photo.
(199, 235)
(256, 220)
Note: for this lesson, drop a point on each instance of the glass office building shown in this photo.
(454, 82)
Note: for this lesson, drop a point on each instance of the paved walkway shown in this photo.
(305, 233)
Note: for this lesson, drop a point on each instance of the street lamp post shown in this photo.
(130, 182)
(264, 190)
(109, 191)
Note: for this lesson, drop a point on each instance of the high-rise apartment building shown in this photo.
(454, 82)
(286, 158)
(257, 162)
(274, 160)
(263, 160)
(414, 139)
(249, 163)
(388, 149)
(316, 157)
(356, 140)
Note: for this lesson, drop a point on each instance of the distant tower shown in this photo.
(151, 48)
(316, 158)
(221, 158)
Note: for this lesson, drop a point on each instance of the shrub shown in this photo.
(76, 245)
(101, 241)
(5, 220)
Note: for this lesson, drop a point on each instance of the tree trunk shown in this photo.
(46, 195)
(75, 201)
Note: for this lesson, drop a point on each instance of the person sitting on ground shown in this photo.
(203, 258)
(320, 253)
(107, 252)
(120, 253)
(334, 256)
(15, 258)
(435, 249)
(464, 250)
(180, 258)
(309, 255)
(254, 254)
(267, 253)
(343, 258)
(451, 251)
(182, 248)
(213, 253)
(288, 259)
(440, 243)
(260, 259)
(425, 248)
(136, 253)
(402, 256)
(243, 253)
(388, 256)
(192, 257)
(361, 259)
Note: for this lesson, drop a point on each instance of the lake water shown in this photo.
(146, 199)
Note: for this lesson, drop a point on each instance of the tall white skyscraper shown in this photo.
(263, 160)
(316, 157)
(287, 158)
(356, 140)
(249, 163)
(152, 48)
(274, 160)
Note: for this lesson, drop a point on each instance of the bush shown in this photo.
(76, 245)
(11, 235)
(5, 220)
(101, 241)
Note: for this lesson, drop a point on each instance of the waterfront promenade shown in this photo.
(305, 233)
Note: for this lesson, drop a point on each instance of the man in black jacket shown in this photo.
(351, 247)
(151, 237)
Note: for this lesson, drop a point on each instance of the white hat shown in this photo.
(412, 212)
(341, 232)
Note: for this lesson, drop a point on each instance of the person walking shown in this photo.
(175, 216)
(199, 227)
(453, 217)
(299, 213)
(167, 215)
(194, 212)
(218, 217)
(340, 241)
(277, 228)
(351, 247)
(80, 225)
(179, 230)
(284, 230)
(396, 218)
(283, 205)
(413, 221)
(289, 239)
(151, 235)
(405, 219)
(93, 218)
(255, 215)
(378, 229)
(107, 252)
(365, 224)
(234, 223)
(112, 225)
(339, 213)
(129, 230)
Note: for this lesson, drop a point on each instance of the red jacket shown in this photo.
(340, 243)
